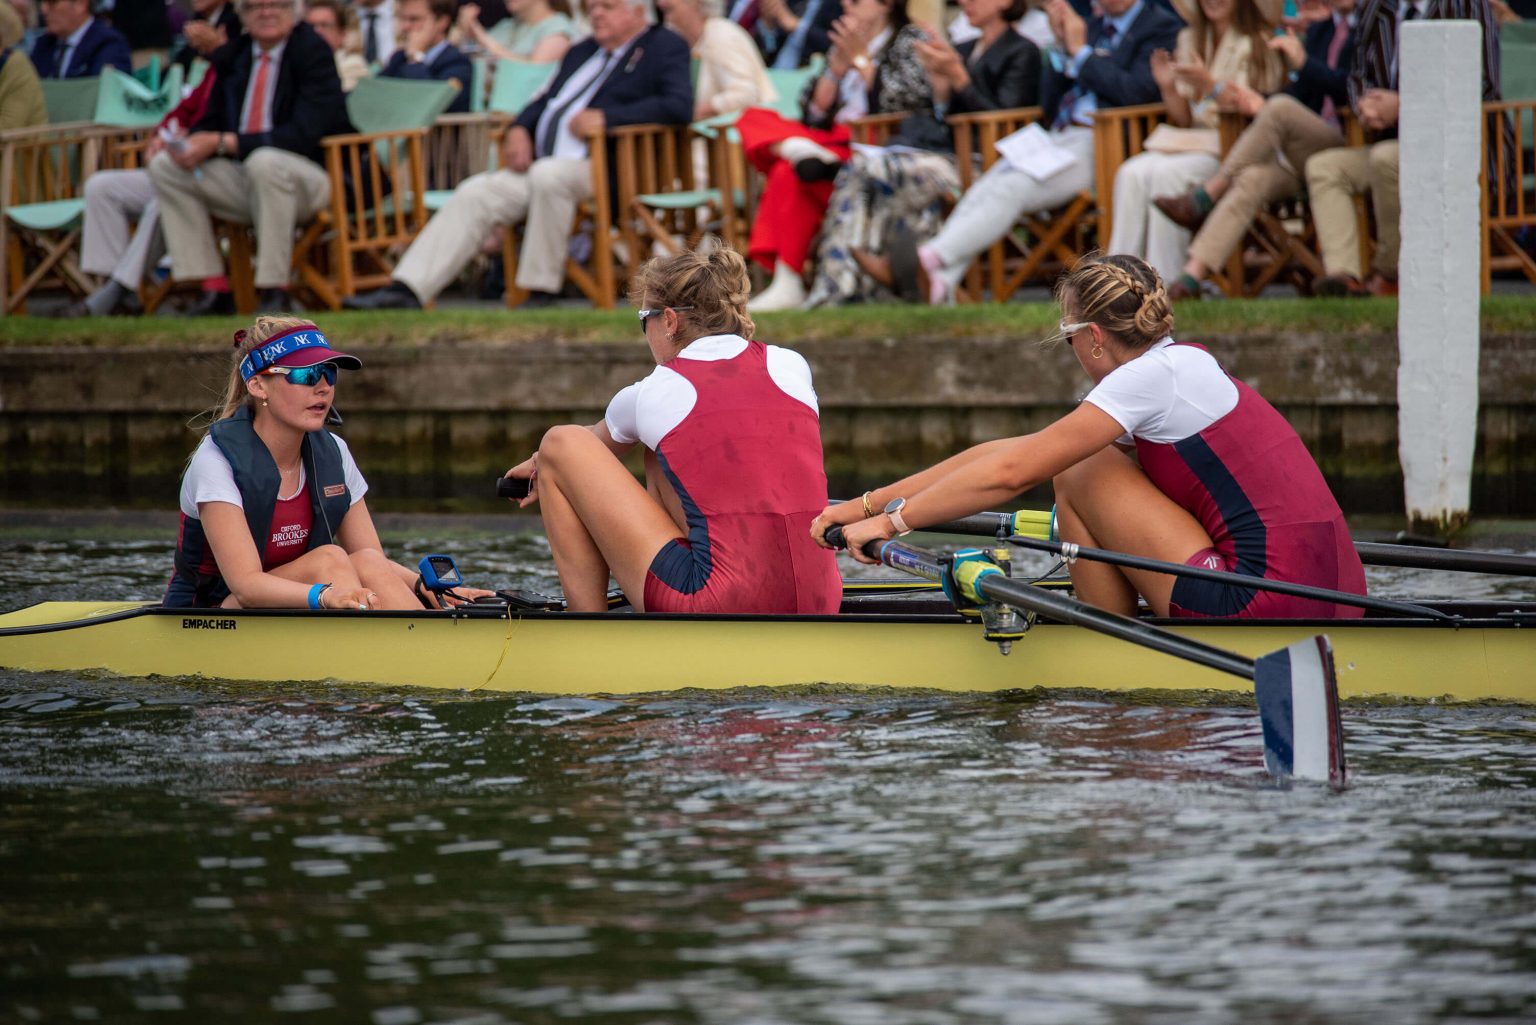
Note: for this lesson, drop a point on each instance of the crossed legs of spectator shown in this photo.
(1264, 166)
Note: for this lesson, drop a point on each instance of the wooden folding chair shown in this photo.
(648, 159)
(1018, 256)
(1509, 199)
(42, 180)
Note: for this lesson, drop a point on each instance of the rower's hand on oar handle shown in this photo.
(521, 483)
(854, 536)
(838, 514)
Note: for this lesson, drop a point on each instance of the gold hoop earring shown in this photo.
(1095, 352)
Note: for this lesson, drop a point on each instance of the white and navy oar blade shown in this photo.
(1299, 709)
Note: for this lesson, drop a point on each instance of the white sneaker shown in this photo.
(797, 148)
(785, 292)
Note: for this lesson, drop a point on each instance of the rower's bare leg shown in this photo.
(325, 564)
(1106, 501)
(598, 518)
(383, 578)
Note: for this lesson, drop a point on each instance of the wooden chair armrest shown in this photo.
(875, 129)
(336, 142)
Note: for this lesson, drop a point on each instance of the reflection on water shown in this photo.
(203, 853)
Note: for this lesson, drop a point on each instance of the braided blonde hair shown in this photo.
(712, 278)
(1121, 294)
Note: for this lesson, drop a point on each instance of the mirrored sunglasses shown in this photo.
(306, 377)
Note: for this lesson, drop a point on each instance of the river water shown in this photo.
(175, 851)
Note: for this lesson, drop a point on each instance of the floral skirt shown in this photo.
(876, 193)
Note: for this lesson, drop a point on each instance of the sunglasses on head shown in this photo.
(647, 314)
(306, 377)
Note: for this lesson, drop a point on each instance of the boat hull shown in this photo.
(1484, 657)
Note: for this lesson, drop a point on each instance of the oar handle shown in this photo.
(511, 487)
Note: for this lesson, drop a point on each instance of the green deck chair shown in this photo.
(125, 102)
(42, 173)
(149, 75)
(348, 228)
(70, 99)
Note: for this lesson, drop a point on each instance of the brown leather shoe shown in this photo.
(1379, 284)
(1339, 286)
(1178, 290)
(1181, 210)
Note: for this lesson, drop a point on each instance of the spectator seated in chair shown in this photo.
(872, 68)
(212, 25)
(121, 238)
(1224, 47)
(898, 189)
(627, 72)
(1336, 176)
(254, 156)
(425, 52)
(21, 94)
(375, 36)
(77, 45)
(329, 19)
(1266, 163)
(1107, 64)
(732, 75)
(537, 31)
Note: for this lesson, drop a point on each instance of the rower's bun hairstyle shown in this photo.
(246, 341)
(711, 277)
(1121, 294)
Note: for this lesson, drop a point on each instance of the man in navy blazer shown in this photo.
(1104, 64)
(426, 54)
(76, 45)
(1299, 122)
(254, 157)
(627, 72)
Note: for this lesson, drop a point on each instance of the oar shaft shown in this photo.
(1021, 595)
(1413, 557)
(1223, 577)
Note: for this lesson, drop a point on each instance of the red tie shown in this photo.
(258, 97)
(1336, 47)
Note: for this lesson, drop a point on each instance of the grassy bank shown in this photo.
(1501, 314)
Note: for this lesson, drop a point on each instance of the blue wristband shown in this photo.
(314, 595)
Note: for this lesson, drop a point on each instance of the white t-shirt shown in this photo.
(1166, 394)
(649, 409)
(210, 478)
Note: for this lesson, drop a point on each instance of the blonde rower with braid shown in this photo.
(1166, 458)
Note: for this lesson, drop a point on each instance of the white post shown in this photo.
(1440, 128)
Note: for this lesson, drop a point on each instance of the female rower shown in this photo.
(1223, 482)
(272, 510)
(732, 456)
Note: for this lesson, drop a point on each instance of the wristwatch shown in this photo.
(862, 62)
(893, 510)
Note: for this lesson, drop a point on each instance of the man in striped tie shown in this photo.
(255, 155)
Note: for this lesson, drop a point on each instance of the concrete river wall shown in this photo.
(432, 424)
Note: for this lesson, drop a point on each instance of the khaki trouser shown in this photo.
(1284, 128)
(109, 244)
(272, 189)
(544, 199)
(1334, 178)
